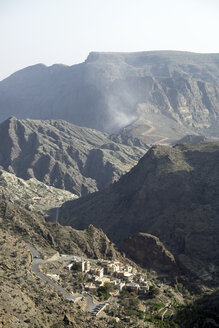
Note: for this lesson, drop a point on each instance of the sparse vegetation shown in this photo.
(103, 292)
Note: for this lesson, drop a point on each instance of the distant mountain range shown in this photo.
(171, 193)
(63, 155)
(161, 95)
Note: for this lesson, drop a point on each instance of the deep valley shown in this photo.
(109, 193)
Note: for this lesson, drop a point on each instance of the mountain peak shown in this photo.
(149, 92)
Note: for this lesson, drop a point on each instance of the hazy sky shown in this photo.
(65, 31)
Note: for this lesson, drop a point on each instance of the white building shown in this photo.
(85, 266)
(70, 265)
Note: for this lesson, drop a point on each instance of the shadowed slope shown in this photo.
(172, 193)
(63, 155)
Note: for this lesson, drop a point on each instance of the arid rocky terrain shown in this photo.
(32, 194)
(166, 94)
(26, 300)
(63, 155)
(135, 184)
(173, 194)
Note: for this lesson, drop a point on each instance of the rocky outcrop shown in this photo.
(168, 93)
(69, 320)
(94, 243)
(63, 155)
(150, 252)
(172, 193)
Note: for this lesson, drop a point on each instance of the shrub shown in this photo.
(153, 291)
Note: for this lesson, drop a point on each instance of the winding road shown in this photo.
(36, 261)
(152, 129)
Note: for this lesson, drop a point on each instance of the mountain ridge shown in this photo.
(112, 90)
(32, 227)
(63, 155)
(171, 193)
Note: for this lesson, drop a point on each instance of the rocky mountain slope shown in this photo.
(192, 139)
(30, 302)
(33, 228)
(166, 93)
(63, 155)
(173, 194)
(32, 194)
(27, 301)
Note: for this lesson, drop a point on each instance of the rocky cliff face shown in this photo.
(149, 252)
(166, 93)
(172, 193)
(63, 155)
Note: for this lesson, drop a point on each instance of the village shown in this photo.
(120, 276)
(108, 288)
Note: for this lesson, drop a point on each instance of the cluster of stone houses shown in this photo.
(120, 275)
